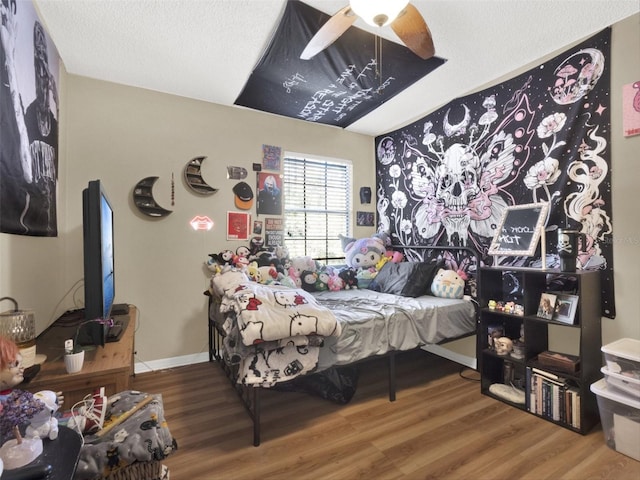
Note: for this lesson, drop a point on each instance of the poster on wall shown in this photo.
(28, 123)
(541, 136)
(238, 224)
(269, 194)
(631, 109)
(271, 157)
(273, 232)
(339, 85)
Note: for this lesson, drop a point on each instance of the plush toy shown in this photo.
(268, 274)
(335, 282)
(255, 245)
(294, 275)
(393, 256)
(301, 264)
(225, 257)
(366, 276)
(365, 252)
(309, 280)
(324, 275)
(44, 424)
(349, 277)
(287, 281)
(252, 272)
(447, 284)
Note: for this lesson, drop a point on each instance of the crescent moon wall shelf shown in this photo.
(194, 179)
(143, 198)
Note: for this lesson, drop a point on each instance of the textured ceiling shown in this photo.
(206, 49)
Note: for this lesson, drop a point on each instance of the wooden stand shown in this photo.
(110, 366)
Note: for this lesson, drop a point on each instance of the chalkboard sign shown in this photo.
(519, 230)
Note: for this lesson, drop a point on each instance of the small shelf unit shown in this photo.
(567, 400)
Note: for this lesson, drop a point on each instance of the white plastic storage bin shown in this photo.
(620, 417)
(623, 356)
(623, 383)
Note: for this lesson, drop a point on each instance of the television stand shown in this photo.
(110, 366)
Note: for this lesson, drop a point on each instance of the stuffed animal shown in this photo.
(268, 274)
(447, 284)
(225, 257)
(335, 282)
(44, 424)
(295, 277)
(366, 276)
(252, 272)
(365, 252)
(349, 277)
(301, 264)
(324, 275)
(309, 280)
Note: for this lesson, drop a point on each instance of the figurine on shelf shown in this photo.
(503, 345)
(492, 304)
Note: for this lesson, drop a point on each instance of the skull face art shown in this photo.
(458, 187)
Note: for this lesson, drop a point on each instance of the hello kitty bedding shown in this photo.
(273, 332)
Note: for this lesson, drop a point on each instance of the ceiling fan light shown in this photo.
(378, 12)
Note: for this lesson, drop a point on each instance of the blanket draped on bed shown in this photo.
(281, 325)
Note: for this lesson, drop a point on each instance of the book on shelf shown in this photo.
(552, 396)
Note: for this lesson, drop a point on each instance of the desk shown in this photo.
(110, 366)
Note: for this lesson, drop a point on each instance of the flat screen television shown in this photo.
(99, 278)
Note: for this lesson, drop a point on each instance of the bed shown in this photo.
(309, 333)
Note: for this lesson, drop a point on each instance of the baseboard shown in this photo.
(165, 363)
(465, 360)
(173, 362)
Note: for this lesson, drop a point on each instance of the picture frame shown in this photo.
(238, 225)
(364, 219)
(547, 306)
(519, 230)
(566, 308)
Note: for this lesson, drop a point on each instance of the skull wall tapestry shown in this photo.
(542, 136)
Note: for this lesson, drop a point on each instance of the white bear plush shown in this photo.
(43, 424)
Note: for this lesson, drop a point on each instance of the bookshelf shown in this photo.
(554, 394)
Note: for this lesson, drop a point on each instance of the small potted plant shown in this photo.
(73, 352)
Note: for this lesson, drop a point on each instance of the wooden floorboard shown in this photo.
(440, 427)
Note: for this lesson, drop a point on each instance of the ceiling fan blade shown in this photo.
(329, 32)
(413, 31)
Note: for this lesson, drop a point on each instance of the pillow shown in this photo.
(409, 279)
(447, 284)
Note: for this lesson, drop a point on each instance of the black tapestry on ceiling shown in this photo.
(543, 136)
(339, 85)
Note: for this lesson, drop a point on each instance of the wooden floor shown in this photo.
(440, 427)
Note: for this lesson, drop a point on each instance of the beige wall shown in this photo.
(122, 134)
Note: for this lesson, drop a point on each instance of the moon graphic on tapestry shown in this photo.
(386, 150)
(577, 75)
(193, 177)
(143, 198)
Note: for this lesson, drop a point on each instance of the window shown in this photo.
(317, 206)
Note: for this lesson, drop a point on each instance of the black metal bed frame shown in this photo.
(250, 395)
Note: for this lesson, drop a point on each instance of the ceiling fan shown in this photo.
(402, 16)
